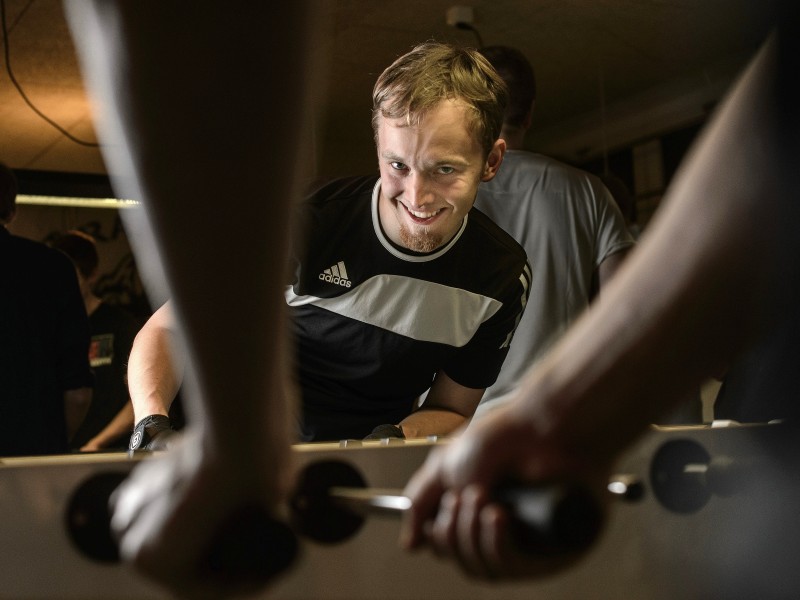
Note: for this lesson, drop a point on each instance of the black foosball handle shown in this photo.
(249, 549)
(551, 519)
(332, 502)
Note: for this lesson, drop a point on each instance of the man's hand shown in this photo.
(174, 515)
(452, 508)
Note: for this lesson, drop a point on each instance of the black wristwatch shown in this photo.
(147, 429)
(382, 432)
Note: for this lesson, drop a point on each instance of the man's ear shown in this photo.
(494, 160)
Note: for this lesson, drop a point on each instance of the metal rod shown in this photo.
(371, 500)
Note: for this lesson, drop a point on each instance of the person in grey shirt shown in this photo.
(567, 221)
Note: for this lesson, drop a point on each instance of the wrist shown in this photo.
(147, 429)
(145, 405)
(386, 431)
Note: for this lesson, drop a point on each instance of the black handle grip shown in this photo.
(248, 550)
(552, 519)
(545, 519)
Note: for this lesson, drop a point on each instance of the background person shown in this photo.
(567, 221)
(44, 346)
(109, 422)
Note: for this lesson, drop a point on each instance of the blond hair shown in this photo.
(432, 72)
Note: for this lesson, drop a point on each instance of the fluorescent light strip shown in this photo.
(77, 202)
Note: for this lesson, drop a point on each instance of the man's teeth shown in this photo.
(423, 215)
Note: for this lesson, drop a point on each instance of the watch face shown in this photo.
(136, 439)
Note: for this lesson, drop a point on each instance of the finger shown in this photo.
(494, 540)
(152, 546)
(139, 508)
(468, 530)
(425, 490)
(140, 535)
(152, 477)
(443, 532)
(125, 503)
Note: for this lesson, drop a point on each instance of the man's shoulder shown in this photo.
(26, 245)
(32, 252)
(540, 182)
(492, 237)
(533, 164)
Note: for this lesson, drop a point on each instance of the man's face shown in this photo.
(430, 175)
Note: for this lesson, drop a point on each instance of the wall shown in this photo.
(119, 282)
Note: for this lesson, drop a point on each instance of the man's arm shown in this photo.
(215, 155)
(155, 369)
(155, 373)
(121, 425)
(447, 407)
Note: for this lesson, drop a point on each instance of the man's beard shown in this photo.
(420, 240)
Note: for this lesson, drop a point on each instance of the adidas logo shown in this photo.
(336, 274)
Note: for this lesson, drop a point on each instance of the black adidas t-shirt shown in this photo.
(374, 323)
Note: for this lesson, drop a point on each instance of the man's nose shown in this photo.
(418, 193)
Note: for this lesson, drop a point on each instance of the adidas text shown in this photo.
(335, 279)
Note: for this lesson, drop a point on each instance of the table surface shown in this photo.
(742, 543)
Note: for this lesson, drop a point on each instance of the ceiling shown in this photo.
(609, 72)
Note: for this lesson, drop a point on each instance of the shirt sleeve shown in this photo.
(612, 235)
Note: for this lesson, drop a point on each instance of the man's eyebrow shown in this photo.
(450, 161)
(454, 160)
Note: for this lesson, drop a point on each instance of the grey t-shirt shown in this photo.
(568, 223)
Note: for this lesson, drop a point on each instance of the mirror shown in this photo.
(628, 92)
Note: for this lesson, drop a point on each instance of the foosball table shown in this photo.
(695, 512)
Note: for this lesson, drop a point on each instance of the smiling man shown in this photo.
(399, 286)
(402, 286)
